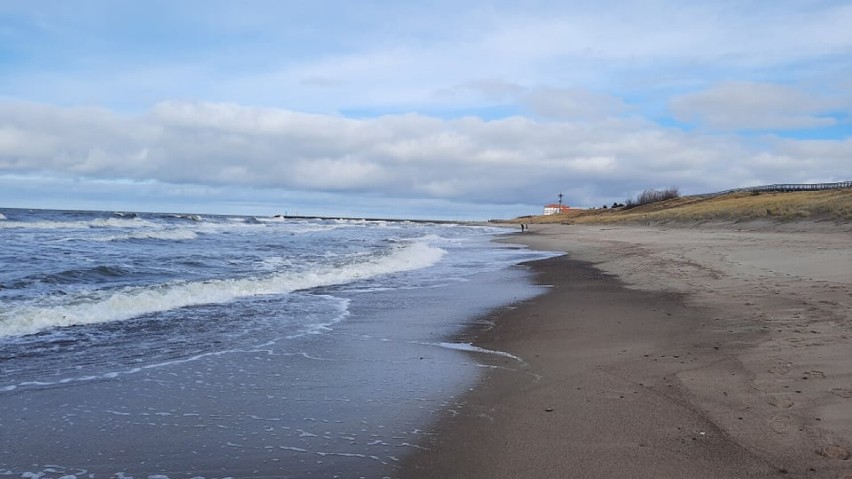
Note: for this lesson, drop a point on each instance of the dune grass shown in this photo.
(826, 205)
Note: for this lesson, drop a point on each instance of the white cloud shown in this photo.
(593, 165)
(830, 150)
(513, 160)
(346, 173)
(572, 104)
(754, 106)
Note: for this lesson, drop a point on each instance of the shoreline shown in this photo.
(334, 381)
(665, 353)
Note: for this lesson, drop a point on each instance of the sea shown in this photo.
(149, 345)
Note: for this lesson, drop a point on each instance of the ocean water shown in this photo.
(161, 345)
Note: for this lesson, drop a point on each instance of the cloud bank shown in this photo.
(754, 106)
(513, 160)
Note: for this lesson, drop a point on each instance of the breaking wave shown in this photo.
(96, 223)
(168, 235)
(129, 302)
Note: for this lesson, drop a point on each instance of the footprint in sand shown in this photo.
(844, 393)
(782, 369)
(833, 451)
(781, 402)
(780, 424)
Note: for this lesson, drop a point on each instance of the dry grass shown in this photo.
(814, 205)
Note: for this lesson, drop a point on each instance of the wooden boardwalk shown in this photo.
(790, 187)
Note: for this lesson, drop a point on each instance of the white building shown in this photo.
(555, 208)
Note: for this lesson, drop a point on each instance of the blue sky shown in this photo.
(415, 109)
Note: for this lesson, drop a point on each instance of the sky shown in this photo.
(433, 109)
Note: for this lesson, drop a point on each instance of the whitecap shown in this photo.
(167, 234)
(96, 223)
(130, 302)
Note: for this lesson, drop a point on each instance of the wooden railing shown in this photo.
(789, 187)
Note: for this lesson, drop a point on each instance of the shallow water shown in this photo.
(264, 348)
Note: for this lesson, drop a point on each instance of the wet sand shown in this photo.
(709, 352)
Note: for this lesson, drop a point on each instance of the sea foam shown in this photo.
(130, 302)
(168, 235)
(96, 223)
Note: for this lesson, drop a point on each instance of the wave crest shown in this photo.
(168, 235)
(96, 223)
(130, 302)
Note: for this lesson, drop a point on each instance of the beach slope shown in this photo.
(664, 353)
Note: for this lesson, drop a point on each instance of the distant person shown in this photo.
(522, 227)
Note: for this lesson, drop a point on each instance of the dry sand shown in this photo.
(665, 353)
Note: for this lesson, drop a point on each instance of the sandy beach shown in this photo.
(665, 352)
